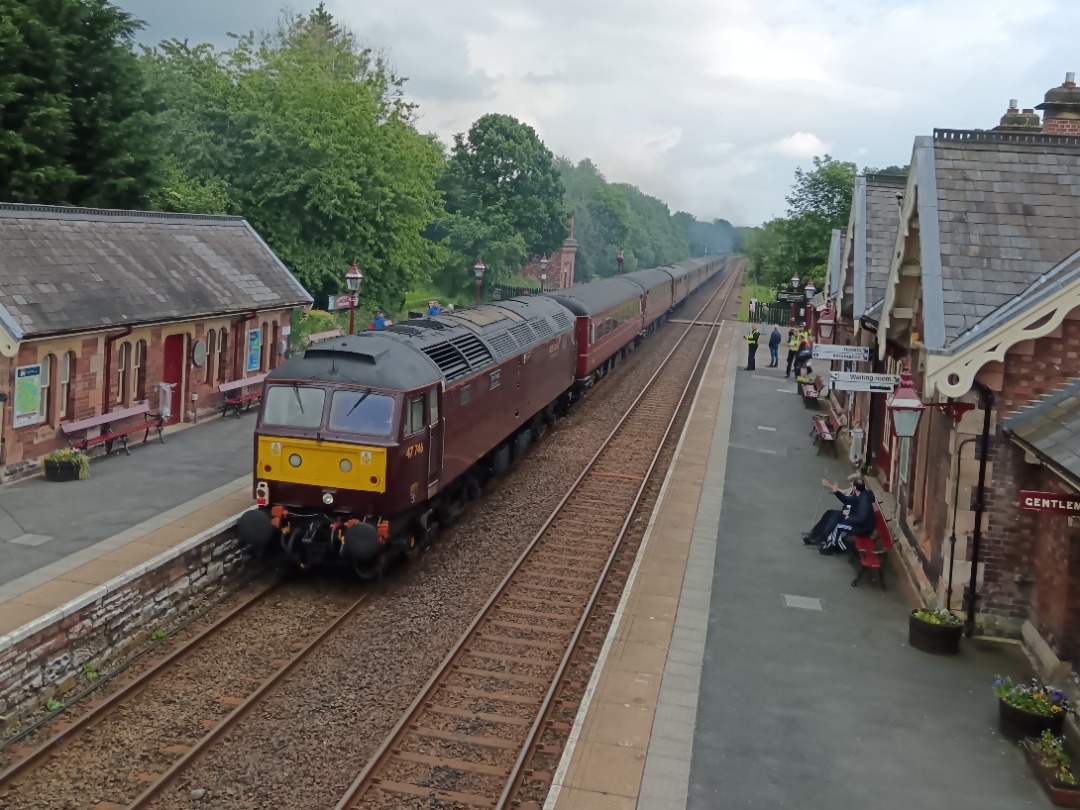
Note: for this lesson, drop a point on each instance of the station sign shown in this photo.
(1053, 502)
(857, 354)
(857, 381)
(343, 301)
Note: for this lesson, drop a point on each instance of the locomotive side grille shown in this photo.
(522, 335)
(502, 343)
(542, 328)
(450, 361)
(476, 353)
(562, 320)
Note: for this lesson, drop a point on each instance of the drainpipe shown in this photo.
(238, 341)
(955, 509)
(971, 598)
(106, 405)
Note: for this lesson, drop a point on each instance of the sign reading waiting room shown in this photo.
(1049, 502)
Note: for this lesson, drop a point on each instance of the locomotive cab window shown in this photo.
(362, 412)
(433, 405)
(299, 406)
(414, 416)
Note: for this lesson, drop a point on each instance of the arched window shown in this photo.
(211, 355)
(265, 348)
(274, 345)
(139, 371)
(223, 355)
(123, 363)
(45, 401)
(67, 390)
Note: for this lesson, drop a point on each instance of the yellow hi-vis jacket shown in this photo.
(793, 343)
(752, 338)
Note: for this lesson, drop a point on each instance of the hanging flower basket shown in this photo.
(1053, 769)
(1028, 710)
(935, 631)
(66, 465)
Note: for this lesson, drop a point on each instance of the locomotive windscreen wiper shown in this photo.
(364, 396)
(296, 390)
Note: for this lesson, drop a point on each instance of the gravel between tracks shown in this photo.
(303, 746)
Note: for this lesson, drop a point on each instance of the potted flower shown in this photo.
(1053, 768)
(66, 465)
(934, 631)
(1027, 710)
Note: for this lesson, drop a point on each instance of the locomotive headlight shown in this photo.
(345, 465)
(295, 460)
(328, 498)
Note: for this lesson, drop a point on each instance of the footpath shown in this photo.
(765, 679)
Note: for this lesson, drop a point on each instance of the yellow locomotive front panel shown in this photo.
(328, 465)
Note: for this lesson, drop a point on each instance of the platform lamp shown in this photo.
(794, 289)
(479, 269)
(826, 324)
(810, 290)
(543, 272)
(905, 409)
(353, 279)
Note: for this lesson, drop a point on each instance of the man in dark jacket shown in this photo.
(774, 347)
(860, 519)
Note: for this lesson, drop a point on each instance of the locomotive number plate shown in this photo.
(415, 450)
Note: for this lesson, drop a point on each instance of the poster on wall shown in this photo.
(27, 396)
(254, 349)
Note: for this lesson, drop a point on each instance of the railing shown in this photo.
(503, 292)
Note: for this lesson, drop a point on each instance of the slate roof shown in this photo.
(1008, 209)
(70, 269)
(882, 222)
(1052, 427)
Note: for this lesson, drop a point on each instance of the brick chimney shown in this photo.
(1061, 108)
(1016, 121)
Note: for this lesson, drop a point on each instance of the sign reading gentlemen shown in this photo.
(1049, 502)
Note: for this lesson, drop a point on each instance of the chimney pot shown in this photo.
(1070, 79)
(1030, 111)
(1013, 103)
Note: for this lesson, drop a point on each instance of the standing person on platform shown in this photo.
(380, 319)
(751, 347)
(792, 349)
(774, 347)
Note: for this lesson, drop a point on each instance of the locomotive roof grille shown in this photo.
(502, 343)
(474, 350)
(542, 328)
(449, 359)
(562, 320)
(523, 335)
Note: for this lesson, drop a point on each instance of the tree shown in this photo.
(74, 122)
(898, 171)
(824, 191)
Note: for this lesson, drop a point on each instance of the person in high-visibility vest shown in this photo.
(792, 349)
(751, 347)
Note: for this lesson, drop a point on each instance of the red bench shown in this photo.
(825, 429)
(236, 395)
(872, 558)
(811, 391)
(110, 432)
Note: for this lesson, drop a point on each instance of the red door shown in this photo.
(173, 373)
(435, 440)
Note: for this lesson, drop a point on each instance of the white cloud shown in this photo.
(710, 106)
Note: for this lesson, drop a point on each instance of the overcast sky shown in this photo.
(708, 104)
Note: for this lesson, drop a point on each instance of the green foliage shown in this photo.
(942, 617)
(158, 635)
(74, 126)
(898, 171)
(53, 705)
(90, 671)
(72, 456)
(1050, 751)
(1034, 697)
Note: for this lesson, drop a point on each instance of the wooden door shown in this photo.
(173, 373)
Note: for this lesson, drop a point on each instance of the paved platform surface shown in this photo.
(744, 671)
(61, 540)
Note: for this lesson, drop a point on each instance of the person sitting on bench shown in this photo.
(829, 520)
(860, 520)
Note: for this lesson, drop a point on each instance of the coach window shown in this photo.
(414, 418)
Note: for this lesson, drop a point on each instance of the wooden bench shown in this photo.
(871, 557)
(824, 429)
(109, 432)
(811, 391)
(318, 336)
(236, 395)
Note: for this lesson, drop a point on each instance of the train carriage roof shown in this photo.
(421, 352)
(597, 296)
(649, 278)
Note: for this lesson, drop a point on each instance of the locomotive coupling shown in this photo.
(254, 528)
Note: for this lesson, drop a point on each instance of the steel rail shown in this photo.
(236, 715)
(382, 756)
(70, 731)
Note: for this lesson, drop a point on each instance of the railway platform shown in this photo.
(62, 540)
(743, 670)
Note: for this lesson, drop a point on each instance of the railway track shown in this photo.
(164, 749)
(468, 737)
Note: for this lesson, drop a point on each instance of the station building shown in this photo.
(980, 300)
(99, 308)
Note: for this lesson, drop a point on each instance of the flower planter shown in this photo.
(1017, 723)
(940, 639)
(1060, 794)
(61, 470)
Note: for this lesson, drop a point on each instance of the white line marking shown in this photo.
(786, 391)
(765, 427)
(594, 681)
(31, 540)
(803, 602)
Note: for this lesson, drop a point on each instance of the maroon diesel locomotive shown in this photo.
(367, 443)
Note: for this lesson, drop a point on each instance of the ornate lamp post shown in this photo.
(794, 289)
(543, 272)
(353, 279)
(826, 324)
(479, 269)
(810, 290)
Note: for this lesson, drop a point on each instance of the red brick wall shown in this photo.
(24, 447)
(1061, 126)
(1056, 613)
